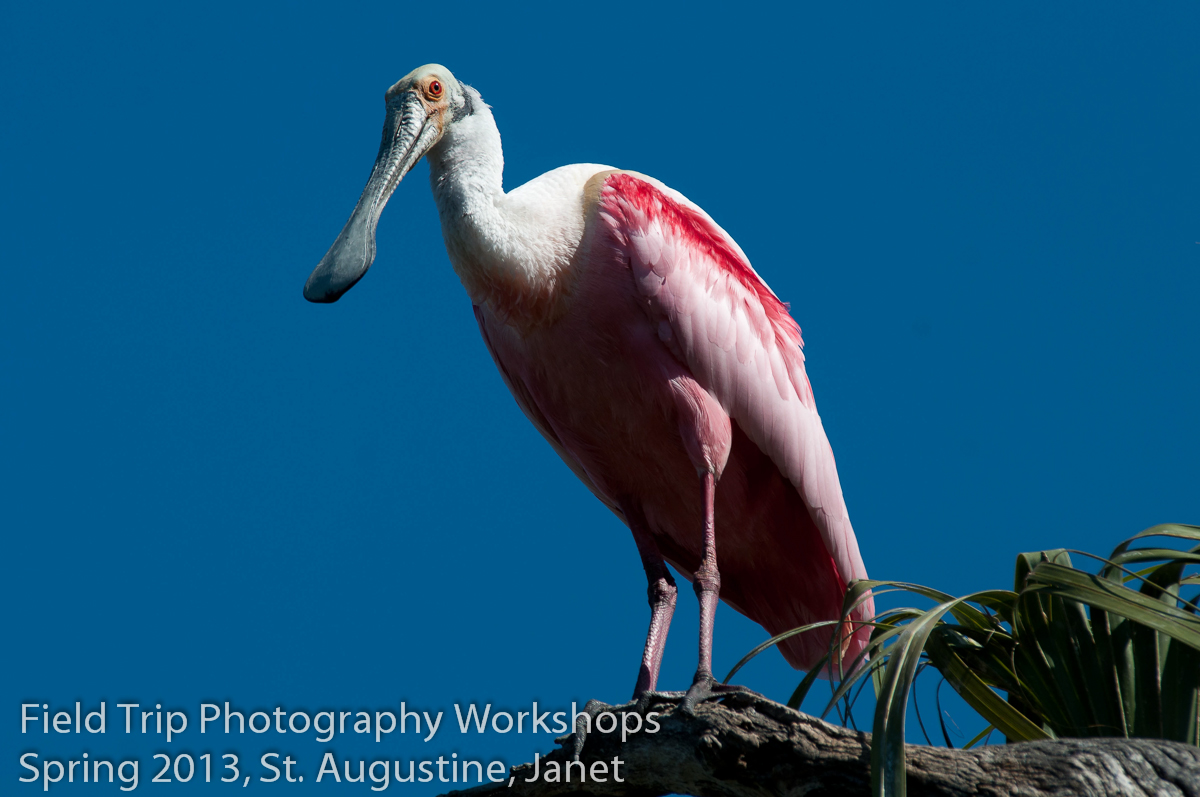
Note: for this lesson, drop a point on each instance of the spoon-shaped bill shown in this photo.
(408, 133)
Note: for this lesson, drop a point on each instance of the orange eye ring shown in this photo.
(435, 89)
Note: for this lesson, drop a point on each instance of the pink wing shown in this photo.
(739, 342)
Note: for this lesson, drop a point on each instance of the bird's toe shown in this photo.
(705, 688)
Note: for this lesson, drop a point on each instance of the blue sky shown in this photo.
(985, 220)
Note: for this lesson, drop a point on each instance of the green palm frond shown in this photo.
(1074, 653)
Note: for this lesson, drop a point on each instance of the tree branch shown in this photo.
(748, 746)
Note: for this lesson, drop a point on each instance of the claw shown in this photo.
(702, 689)
(705, 688)
(642, 703)
(593, 709)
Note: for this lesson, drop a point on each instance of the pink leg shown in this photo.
(661, 592)
(707, 583)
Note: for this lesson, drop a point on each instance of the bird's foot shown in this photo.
(705, 687)
(640, 705)
(585, 721)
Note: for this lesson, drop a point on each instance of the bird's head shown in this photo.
(420, 108)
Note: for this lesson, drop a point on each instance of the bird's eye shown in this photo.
(435, 89)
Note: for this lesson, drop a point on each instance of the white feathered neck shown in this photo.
(513, 252)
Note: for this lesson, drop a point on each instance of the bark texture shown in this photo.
(747, 746)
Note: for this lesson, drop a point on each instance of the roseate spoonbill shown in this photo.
(636, 337)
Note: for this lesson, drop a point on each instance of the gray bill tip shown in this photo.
(347, 260)
(333, 277)
(322, 289)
